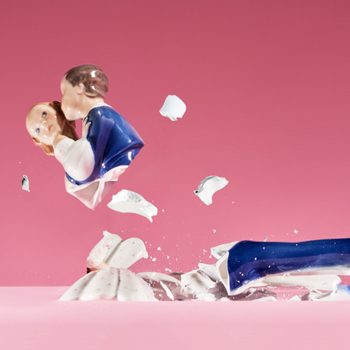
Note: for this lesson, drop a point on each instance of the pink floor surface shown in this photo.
(32, 318)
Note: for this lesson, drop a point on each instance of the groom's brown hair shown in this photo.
(92, 77)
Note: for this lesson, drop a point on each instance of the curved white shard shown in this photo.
(208, 187)
(198, 285)
(112, 251)
(75, 290)
(25, 183)
(317, 282)
(165, 287)
(102, 250)
(220, 250)
(127, 201)
(173, 108)
(341, 294)
(110, 283)
(133, 288)
(103, 285)
(159, 277)
(209, 270)
(127, 253)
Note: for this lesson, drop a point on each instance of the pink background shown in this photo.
(31, 318)
(267, 88)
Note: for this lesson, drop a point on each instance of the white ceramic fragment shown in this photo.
(75, 290)
(127, 253)
(210, 270)
(295, 298)
(102, 285)
(165, 287)
(198, 284)
(127, 201)
(173, 108)
(102, 250)
(110, 283)
(341, 294)
(220, 250)
(317, 282)
(208, 186)
(110, 258)
(167, 290)
(159, 277)
(25, 183)
(133, 288)
(113, 252)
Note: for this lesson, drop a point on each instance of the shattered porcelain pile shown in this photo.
(110, 277)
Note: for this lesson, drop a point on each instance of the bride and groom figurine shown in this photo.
(95, 161)
(108, 143)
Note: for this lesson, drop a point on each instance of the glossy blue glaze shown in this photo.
(113, 140)
(249, 260)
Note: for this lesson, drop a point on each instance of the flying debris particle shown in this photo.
(168, 257)
(159, 248)
(154, 259)
(173, 108)
(214, 230)
(208, 186)
(25, 183)
(266, 238)
(232, 202)
(296, 232)
(167, 270)
(127, 201)
(163, 210)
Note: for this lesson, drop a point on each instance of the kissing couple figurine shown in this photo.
(108, 144)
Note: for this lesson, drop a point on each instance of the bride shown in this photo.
(56, 136)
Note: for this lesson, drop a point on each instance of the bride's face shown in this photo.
(42, 123)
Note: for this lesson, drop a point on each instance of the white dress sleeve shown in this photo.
(76, 157)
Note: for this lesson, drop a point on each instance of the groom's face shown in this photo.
(71, 99)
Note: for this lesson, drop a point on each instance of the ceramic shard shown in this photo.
(127, 201)
(173, 108)
(208, 187)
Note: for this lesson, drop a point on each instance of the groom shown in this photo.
(108, 144)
